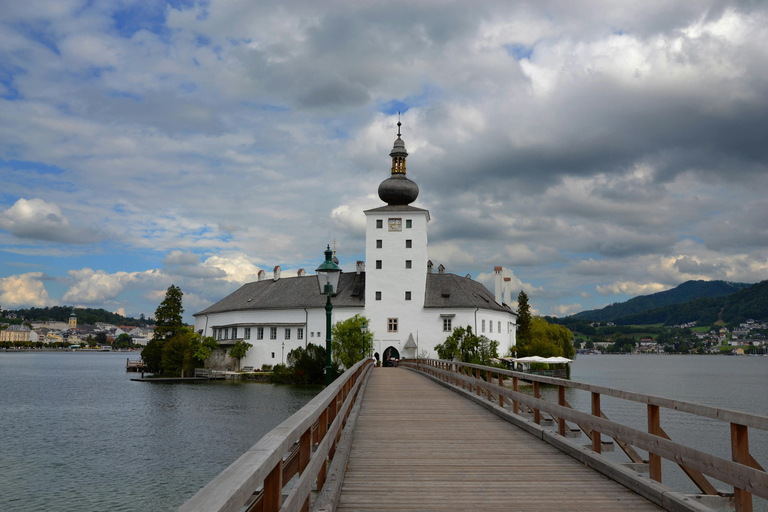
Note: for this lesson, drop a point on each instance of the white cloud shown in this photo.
(24, 290)
(40, 220)
(95, 287)
(631, 288)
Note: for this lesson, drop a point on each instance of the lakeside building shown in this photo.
(411, 307)
(18, 333)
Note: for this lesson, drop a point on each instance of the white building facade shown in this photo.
(410, 306)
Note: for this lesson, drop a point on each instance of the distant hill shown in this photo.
(684, 293)
(88, 316)
(751, 302)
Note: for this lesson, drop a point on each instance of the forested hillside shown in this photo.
(84, 316)
(684, 293)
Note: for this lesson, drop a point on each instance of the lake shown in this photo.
(78, 435)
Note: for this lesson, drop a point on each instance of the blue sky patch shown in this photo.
(519, 51)
(37, 167)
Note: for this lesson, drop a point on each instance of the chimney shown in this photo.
(276, 273)
(429, 267)
(360, 267)
(301, 273)
(262, 275)
(508, 289)
(497, 285)
(441, 269)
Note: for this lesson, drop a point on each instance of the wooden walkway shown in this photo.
(434, 450)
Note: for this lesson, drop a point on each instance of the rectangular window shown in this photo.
(287, 334)
(379, 244)
(490, 326)
(300, 333)
(273, 332)
(259, 333)
(447, 324)
(247, 333)
(483, 326)
(311, 334)
(226, 334)
(408, 224)
(234, 333)
(378, 295)
(273, 355)
(379, 223)
(391, 324)
(499, 326)
(318, 334)
(407, 263)
(378, 264)
(407, 295)
(408, 244)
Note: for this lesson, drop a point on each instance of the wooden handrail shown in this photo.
(266, 467)
(744, 473)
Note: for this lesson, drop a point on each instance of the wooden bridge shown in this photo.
(438, 435)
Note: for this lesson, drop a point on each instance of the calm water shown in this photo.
(78, 435)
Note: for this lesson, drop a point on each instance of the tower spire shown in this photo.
(398, 124)
(398, 189)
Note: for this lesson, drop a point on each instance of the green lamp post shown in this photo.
(364, 330)
(328, 280)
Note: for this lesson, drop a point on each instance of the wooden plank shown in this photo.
(419, 446)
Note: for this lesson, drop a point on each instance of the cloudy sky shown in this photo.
(597, 150)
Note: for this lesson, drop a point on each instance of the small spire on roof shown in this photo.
(398, 124)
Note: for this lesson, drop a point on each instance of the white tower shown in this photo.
(396, 259)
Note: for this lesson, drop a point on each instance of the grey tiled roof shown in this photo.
(291, 293)
(452, 291)
(396, 208)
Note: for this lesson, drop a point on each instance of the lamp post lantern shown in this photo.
(364, 330)
(328, 274)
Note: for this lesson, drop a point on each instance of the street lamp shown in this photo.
(328, 280)
(283, 357)
(364, 330)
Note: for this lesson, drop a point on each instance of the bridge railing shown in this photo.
(743, 472)
(302, 445)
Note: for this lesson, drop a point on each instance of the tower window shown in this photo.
(407, 263)
(407, 295)
(273, 333)
(408, 223)
(379, 244)
(482, 324)
(378, 264)
(408, 244)
(447, 324)
(378, 295)
(391, 324)
(259, 333)
(379, 223)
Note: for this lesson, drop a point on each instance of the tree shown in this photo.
(122, 341)
(239, 350)
(168, 315)
(467, 347)
(546, 340)
(152, 355)
(523, 319)
(101, 338)
(349, 344)
(204, 350)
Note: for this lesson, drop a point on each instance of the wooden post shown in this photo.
(561, 402)
(515, 388)
(596, 438)
(273, 488)
(488, 380)
(740, 453)
(322, 429)
(305, 452)
(501, 385)
(536, 394)
(477, 377)
(654, 428)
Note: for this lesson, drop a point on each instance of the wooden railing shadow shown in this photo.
(302, 445)
(743, 472)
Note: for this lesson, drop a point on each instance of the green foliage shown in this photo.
(305, 366)
(204, 349)
(101, 338)
(546, 340)
(168, 314)
(238, 350)
(122, 341)
(467, 347)
(523, 319)
(348, 343)
(152, 355)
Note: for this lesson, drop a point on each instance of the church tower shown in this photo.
(396, 259)
(73, 320)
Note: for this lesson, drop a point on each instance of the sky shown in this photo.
(596, 150)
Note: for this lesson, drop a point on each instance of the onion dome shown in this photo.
(398, 189)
